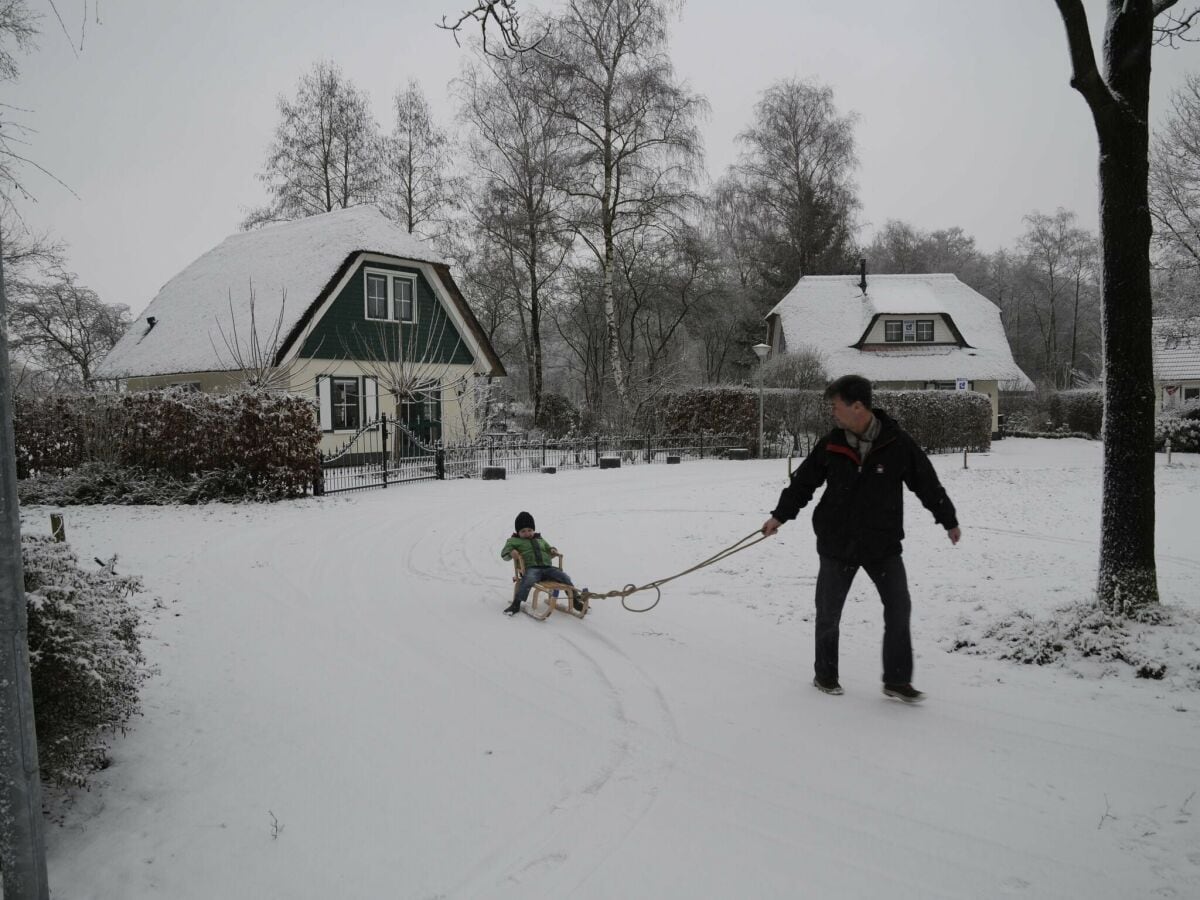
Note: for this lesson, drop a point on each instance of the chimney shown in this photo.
(862, 274)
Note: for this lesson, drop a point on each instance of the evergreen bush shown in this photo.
(85, 658)
(557, 416)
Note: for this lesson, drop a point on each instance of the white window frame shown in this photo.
(1191, 393)
(900, 329)
(334, 405)
(932, 330)
(390, 277)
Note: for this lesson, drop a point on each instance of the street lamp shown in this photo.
(761, 351)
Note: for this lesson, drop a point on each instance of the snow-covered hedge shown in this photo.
(1181, 426)
(1080, 410)
(940, 421)
(255, 444)
(85, 659)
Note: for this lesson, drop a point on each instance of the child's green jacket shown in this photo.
(535, 550)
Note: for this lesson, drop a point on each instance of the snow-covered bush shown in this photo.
(263, 445)
(712, 410)
(1080, 411)
(1153, 642)
(941, 421)
(1181, 426)
(84, 655)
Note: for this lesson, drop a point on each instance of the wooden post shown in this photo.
(58, 528)
(964, 457)
(383, 455)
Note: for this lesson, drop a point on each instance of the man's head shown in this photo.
(850, 402)
(524, 526)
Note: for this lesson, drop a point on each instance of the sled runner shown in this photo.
(545, 596)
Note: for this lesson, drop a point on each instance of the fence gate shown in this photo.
(380, 453)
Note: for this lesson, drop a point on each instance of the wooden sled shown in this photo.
(547, 596)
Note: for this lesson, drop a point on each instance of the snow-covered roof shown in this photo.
(292, 263)
(831, 314)
(1176, 349)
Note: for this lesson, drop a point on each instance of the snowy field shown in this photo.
(342, 711)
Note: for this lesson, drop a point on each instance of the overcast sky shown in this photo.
(161, 121)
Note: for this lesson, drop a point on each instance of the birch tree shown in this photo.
(518, 154)
(636, 146)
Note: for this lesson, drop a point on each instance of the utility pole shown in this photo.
(22, 845)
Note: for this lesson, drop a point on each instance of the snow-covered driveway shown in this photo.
(342, 711)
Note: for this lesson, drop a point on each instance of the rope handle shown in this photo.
(624, 593)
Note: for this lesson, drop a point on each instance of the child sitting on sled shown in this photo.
(537, 554)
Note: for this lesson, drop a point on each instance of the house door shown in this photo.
(421, 414)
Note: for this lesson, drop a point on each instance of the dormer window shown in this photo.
(390, 296)
(908, 331)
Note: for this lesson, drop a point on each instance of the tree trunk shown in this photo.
(1127, 570)
(1120, 105)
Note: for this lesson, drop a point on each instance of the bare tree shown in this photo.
(65, 327)
(1175, 202)
(518, 153)
(503, 18)
(418, 188)
(796, 172)
(611, 82)
(1059, 257)
(325, 154)
(1119, 100)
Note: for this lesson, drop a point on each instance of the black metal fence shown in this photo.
(384, 452)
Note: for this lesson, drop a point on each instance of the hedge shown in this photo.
(265, 442)
(939, 421)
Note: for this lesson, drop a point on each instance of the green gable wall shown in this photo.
(344, 332)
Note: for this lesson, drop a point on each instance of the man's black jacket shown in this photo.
(860, 517)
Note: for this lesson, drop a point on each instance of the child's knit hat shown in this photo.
(524, 520)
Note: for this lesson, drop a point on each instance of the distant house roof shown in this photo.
(294, 265)
(831, 314)
(1176, 349)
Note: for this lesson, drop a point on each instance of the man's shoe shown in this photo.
(828, 687)
(905, 692)
(512, 609)
(577, 600)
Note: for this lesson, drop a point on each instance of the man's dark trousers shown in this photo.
(833, 583)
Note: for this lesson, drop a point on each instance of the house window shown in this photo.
(924, 329)
(908, 330)
(402, 289)
(377, 297)
(391, 297)
(892, 331)
(1191, 393)
(345, 403)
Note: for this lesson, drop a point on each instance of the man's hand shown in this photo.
(771, 526)
(954, 534)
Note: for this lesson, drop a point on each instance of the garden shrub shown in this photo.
(557, 416)
(85, 658)
(265, 444)
(1181, 426)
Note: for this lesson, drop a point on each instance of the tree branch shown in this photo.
(1085, 75)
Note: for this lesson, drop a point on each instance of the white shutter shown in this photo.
(325, 401)
(371, 397)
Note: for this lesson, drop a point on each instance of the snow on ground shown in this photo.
(342, 710)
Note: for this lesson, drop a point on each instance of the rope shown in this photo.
(624, 593)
